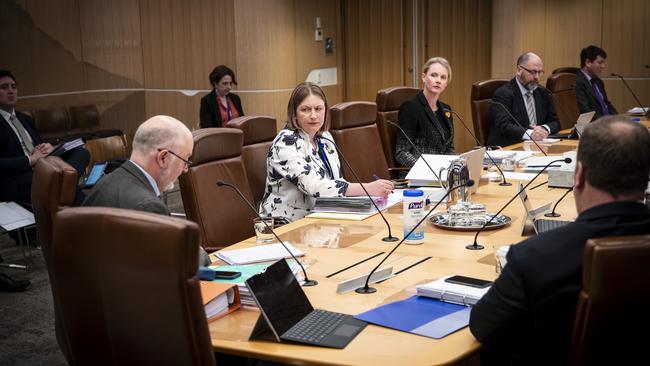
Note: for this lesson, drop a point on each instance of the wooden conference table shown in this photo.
(332, 245)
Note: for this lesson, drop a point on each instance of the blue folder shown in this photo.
(420, 315)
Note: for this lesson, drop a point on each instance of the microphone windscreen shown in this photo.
(568, 160)
(220, 183)
(470, 183)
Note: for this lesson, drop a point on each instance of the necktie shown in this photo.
(599, 97)
(23, 136)
(530, 108)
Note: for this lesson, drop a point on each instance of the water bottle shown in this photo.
(413, 213)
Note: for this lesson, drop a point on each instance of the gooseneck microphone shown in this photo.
(475, 245)
(647, 114)
(308, 282)
(553, 213)
(415, 148)
(369, 290)
(390, 236)
(518, 124)
(504, 182)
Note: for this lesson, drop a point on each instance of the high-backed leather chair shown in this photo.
(567, 69)
(127, 288)
(222, 216)
(54, 183)
(613, 304)
(52, 124)
(482, 93)
(563, 89)
(388, 102)
(355, 132)
(259, 132)
(84, 119)
(107, 148)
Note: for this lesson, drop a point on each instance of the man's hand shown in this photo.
(539, 133)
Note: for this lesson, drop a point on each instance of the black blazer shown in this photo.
(15, 170)
(587, 101)
(418, 121)
(503, 130)
(210, 115)
(528, 313)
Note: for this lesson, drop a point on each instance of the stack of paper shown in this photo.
(63, 148)
(259, 253)
(349, 204)
(219, 299)
(13, 216)
(451, 292)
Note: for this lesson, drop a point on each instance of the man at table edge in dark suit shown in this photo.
(527, 315)
(590, 89)
(536, 119)
(162, 146)
(18, 157)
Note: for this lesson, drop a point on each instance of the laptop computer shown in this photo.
(287, 314)
(474, 165)
(576, 132)
(534, 214)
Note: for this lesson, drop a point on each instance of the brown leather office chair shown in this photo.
(482, 92)
(563, 89)
(84, 119)
(107, 148)
(355, 132)
(222, 216)
(259, 132)
(388, 102)
(127, 288)
(52, 124)
(613, 304)
(54, 183)
(567, 69)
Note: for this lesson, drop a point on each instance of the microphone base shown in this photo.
(390, 238)
(309, 283)
(505, 184)
(552, 214)
(366, 290)
(474, 247)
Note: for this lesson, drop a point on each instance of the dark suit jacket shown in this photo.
(15, 170)
(587, 101)
(418, 121)
(504, 131)
(210, 115)
(530, 308)
(127, 187)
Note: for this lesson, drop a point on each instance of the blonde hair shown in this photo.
(437, 60)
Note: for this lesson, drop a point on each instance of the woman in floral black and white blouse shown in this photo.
(302, 166)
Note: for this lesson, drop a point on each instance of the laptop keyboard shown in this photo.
(315, 326)
(543, 226)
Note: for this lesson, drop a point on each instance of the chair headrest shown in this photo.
(256, 128)
(392, 98)
(561, 81)
(216, 143)
(353, 114)
(485, 89)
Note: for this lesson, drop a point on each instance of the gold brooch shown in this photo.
(447, 114)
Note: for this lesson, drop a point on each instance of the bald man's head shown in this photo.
(160, 132)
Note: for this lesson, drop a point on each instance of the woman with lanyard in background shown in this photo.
(302, 166)
(220, 105)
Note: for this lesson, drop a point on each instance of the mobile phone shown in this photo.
(468, 281)
(226, 275)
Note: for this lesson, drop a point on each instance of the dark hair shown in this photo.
(615, 155)
(219, 72)
(300, 92)
(4, 73)
(590, 53)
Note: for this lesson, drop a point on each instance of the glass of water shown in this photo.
(264, 233)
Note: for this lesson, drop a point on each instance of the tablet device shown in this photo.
(95, 173)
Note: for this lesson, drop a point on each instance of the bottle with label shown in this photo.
(413, 213)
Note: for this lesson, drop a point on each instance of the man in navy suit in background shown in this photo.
(21, 147)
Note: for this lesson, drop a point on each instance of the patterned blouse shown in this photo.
(298, 173)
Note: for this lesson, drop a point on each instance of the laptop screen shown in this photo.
(524, 199)
(279, 296)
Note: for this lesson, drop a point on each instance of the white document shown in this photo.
(537, 163)
(14, 216)
(259, 253)
(451, 292)
(420, 172)
(519, 176)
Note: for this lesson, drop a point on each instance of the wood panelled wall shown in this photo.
(557, 30)
(133, 58)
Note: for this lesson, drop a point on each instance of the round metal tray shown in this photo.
(441, 220)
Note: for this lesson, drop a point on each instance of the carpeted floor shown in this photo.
(27, 318)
